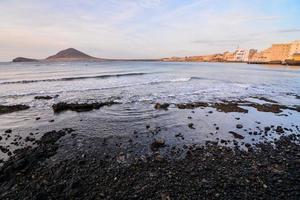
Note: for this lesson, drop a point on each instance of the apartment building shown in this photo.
(294, 49)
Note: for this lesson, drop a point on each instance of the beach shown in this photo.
(149, 130)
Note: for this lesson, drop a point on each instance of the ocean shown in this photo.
(137, 87)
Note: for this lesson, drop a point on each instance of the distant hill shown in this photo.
(22, 59)
(70, 54)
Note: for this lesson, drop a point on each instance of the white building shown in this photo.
(242, 55)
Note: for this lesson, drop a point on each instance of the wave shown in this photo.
(73, 78)
(186, 79)
(197, 78)
(167, 81)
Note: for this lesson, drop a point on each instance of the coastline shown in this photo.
(142, 137)
(259, 63)
(149, 100)
(106, 169)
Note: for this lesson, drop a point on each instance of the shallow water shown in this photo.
(137, 86)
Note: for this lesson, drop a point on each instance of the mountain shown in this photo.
(22, 59)
(70, 55)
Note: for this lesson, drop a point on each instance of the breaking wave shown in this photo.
(74, 78)
(187, 79)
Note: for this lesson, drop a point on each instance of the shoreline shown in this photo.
(175, 133)
(250, 63)
(238, 125)
(266, 170)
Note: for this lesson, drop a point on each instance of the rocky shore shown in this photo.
(236, 106)
(12, 108)
(213, 170)
(80, 107)
(210, 172)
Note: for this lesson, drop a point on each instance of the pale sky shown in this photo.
(143, 28)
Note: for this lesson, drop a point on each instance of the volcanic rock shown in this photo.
(13, 108)
(158, 143)
(80, 107)
(163, 106)
(236, 135)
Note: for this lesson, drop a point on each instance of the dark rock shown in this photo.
(265, 99)
(80, 107)
(229, 107)
(180, 136)
(239, 126)
(41, 195)
(158, 143)
(279, 129)
(210, 172)
(13, 108)
(191, 126)
(3, 149)
(29, 139)
(43, 97)
(20, 164)
(158, 158)
(267, 129)
(274, 108)
(192, 105)
(8, 131)
(223, 141)
(163, 106)
(234, 106)
(236, 135)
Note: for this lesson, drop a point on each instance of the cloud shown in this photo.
(148, 3)
(221, 42)
(292, 30)
(142, 28)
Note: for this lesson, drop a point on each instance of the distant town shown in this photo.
(285, 54)
(288, 53)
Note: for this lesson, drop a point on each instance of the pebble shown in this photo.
(239, 126)
(8, 131)
(158, 143)
(191, 126)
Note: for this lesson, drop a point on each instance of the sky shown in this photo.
(144, 28)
